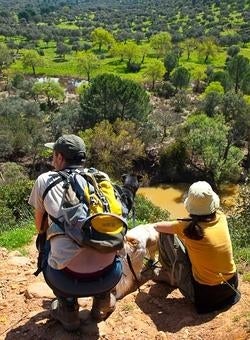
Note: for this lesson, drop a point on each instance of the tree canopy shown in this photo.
(210, 151)
(87, 63)
(108, 144)
(32, 59)
(102, 37)
(161, 43)
(109, 97)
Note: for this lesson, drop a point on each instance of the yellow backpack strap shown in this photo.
(91, 178)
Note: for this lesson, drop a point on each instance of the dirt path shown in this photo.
(152, 313)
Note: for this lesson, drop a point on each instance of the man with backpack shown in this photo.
(81, 220)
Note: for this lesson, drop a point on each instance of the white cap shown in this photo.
(201, 200)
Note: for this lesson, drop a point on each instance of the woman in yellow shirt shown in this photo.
(199, 260)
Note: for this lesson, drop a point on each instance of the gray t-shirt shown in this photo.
(64, 251)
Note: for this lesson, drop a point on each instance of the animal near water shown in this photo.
(141, 242)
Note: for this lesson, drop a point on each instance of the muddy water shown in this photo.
(171, 197)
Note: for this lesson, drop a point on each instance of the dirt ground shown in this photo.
(153, 313)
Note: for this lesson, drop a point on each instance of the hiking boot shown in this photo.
(164, 276)
(66, 313)
(103, 306)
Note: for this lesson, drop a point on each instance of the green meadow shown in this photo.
(54, 66)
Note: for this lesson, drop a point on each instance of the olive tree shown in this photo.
(238, 69)
(50, 89)
(102, 37)
(161, 43)
(32, 59)
(87, 63)
(210, 150)
(5, 57)
(155, 71)
(207, 48)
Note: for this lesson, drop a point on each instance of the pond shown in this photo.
(171, 197)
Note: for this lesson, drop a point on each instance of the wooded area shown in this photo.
(161, 88)
(166, 70)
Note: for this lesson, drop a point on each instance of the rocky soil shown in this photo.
(155, 312)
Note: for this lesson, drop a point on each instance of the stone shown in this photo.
(85, 302)
(39, 290)
(18, 261)
(161, 336)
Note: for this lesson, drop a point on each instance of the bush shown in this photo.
(6, 144)
(147, 212)
(180, 101)
(12, 172)
(172, 162)
(14, 203)
(16, 194)
(233, 50)
(7, 220)
(239, 226)
(133, 67)
(40, 51)
(166, 89)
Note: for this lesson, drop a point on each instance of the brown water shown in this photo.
(171, 197)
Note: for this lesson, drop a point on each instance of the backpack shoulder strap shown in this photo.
(63, 177)
(49, 187)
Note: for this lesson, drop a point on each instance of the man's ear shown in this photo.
(124, 177)
(60, 156)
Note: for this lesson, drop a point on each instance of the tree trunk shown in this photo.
(229, 141)
(164, 135)
(248, 151)
(237, 79)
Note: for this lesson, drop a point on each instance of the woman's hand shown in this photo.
(165, 227)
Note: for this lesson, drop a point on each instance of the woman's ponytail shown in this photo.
(194, 231)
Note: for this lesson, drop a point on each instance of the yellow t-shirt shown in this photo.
(213, 254)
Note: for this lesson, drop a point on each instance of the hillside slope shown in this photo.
(153, 313)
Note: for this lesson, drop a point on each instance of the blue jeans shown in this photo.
(64, 285)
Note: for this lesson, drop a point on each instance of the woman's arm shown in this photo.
(166, 227)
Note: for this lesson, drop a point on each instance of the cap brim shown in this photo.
(49, 145)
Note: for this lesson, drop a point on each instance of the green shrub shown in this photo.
(147, 212)
(239, 228)
(172, 161)
(133, 67)
(165, 89)
(14, 203)
(7, 220)
(12, 172)
(15, 195)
